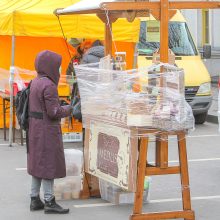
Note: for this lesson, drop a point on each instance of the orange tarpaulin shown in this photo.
(27, 48)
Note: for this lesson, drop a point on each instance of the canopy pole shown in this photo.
(11, 81)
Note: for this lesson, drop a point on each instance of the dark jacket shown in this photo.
(93, 55)
(45, 158)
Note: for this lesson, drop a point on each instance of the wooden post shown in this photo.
(162, 151)
(164, 23)
(184, 172)
(138, 202)
(162, 168)
(108, 38)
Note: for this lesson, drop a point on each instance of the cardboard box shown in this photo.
(116, 195)
(71, 130)
(171, 58)
(68, 188)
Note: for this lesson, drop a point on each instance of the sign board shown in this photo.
(111, 154)
(153, 31)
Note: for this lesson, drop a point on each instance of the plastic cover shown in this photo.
(83, 5)
(23, 76)
(140, 98)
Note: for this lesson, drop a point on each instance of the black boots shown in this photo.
(36, 204)
(52, 207)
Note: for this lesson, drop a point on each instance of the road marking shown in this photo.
(171, 161)
(205, 135)
(150, 201)
(93, 205)
(196, 160)
(12, 143)
(179, 199)
(19, 169)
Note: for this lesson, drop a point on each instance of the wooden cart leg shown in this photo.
(157, 151)
(186, 199)
(138, 200)
(161, 151)
(85, 193)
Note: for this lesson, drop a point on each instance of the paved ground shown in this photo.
(214, 70)
(214, 107)
(204, 167)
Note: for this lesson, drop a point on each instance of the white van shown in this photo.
(197, 78)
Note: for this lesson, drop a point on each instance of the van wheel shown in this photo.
(201, 118)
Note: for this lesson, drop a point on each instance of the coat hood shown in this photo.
(47, 63)
(97, 51)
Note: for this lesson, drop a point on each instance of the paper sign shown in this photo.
(153, 31)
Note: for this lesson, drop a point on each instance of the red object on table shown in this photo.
(15, 88)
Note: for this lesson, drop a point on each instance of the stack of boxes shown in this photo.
(116, 195)
(71, 130)
(69, 187)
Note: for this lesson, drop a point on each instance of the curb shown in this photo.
(212, 119)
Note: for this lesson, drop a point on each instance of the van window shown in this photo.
(180, 39)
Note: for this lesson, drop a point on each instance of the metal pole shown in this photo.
(11, 80)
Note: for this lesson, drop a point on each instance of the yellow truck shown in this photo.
(197, 78)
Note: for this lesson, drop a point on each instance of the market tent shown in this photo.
(36, 25)
(29, 26)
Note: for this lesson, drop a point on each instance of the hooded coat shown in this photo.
(45, 157)
(93, 55)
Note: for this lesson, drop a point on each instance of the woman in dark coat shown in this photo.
(45, 159)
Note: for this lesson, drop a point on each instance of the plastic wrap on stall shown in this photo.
(4, 79)
(23, 76)
(143, 98)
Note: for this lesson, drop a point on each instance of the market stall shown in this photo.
(99, 121)
(27, 27)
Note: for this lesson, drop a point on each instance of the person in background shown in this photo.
(93, 54)
(76, 59)
(45, 158)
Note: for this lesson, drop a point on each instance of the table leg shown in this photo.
(13, 122)
(138, 199)
(4, 119)
(22, 143)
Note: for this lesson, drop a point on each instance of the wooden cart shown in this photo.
(162, 10)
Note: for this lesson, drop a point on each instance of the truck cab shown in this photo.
(197, 78)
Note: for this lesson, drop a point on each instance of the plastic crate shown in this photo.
(63, 89)
(70, 137)
(68, 188)
(117, 195)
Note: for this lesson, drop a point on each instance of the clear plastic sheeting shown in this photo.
(21, 78)
(139, 98)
